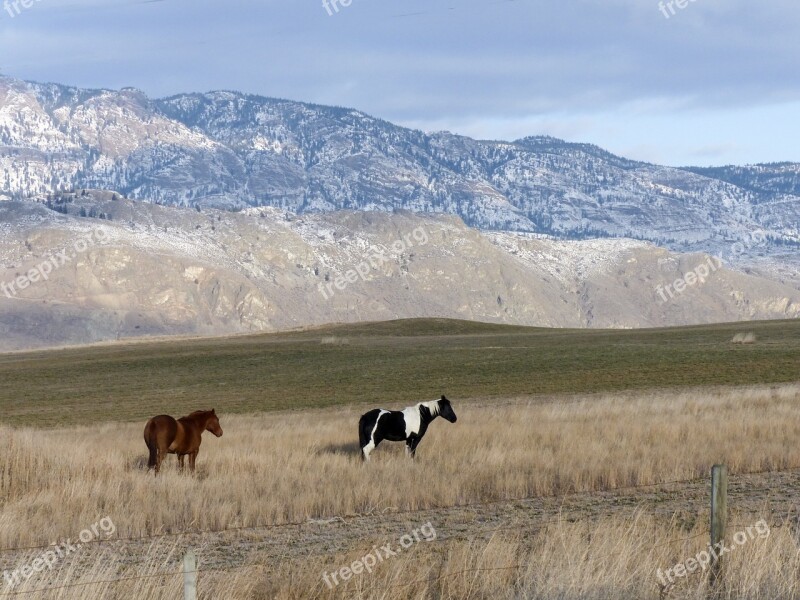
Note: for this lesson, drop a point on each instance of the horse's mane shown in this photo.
(432, 406)
(197, 415)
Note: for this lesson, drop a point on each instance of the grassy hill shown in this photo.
(388, 364)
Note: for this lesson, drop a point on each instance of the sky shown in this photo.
(682, 82)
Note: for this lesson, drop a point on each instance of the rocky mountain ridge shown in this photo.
(232, 150)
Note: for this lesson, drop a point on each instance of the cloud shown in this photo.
(492, 66)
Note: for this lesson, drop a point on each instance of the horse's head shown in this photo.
(446, 410)
(212, 424)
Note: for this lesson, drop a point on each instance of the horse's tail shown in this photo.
(365, 425)
(152, 445)
(363, 432)
(152, 461)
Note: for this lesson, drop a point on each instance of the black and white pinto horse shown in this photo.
(407, 425)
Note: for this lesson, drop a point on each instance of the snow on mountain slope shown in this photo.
(233, 150)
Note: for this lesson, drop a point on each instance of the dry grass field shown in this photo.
(523, 482)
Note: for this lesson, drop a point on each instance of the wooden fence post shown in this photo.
(719, 519)
(190, 575)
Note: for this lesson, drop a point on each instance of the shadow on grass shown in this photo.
(169, 468)
(138, 464)
(349, 449)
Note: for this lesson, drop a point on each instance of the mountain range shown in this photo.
(228, 213)
(231, 150)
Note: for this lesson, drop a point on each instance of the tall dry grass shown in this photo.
(278, 468)
(610, 559)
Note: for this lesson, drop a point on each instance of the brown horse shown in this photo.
(165, 435)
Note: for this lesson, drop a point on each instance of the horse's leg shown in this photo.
(369, 432)
(411, 446)
(159, 458)
(366, 450)
(373, 443)
(163, 450)
(180, 462)
(192, 459)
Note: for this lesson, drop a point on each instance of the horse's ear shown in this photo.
(213, 412)
(443, 398)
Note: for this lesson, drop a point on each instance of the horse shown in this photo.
(407, 425)
(165, 435)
